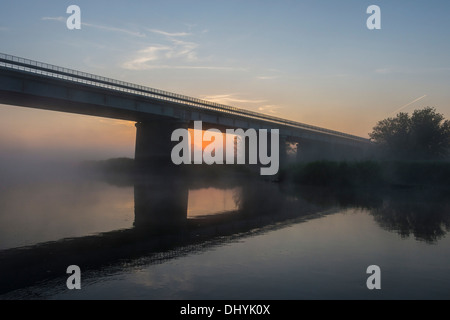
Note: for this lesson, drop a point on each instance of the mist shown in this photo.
(48, 145)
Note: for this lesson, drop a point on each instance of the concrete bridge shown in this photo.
(157, 113)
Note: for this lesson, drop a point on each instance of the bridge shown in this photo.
(157, 113)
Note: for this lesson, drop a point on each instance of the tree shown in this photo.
(423, 136)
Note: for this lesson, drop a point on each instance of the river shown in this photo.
(237, 239)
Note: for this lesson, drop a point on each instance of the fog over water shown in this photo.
(208, 233)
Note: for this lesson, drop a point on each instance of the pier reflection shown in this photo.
(160, 203)
(163, 230)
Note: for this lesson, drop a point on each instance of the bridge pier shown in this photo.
(154, 145)
(160, 190)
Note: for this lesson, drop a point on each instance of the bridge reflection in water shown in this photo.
(163, 231)
(161, 228)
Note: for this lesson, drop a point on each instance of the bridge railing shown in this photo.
(49, 70)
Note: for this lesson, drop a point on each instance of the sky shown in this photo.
(312, 61)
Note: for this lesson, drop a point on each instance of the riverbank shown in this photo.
(342, 174)
(369, 174)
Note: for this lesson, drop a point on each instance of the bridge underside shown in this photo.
(157, 119)
(154, 146)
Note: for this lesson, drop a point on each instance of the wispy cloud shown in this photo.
(142, 66)
(383, 71)
(270, 108)
(175, 50)
(336, 75)
(236, 100)
(170, 34)
(172, 52)
(183, 49)
(267, 77)
(100, 27)
(114, 29)
(228, 99)
(60, 19)
(145, 56)
(145, 59)
(408, 104)
(412, 71)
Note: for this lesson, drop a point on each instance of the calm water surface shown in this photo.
(238, 241)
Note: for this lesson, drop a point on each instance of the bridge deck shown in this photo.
(30, 68)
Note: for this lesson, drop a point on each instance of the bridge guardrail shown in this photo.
(27, 65)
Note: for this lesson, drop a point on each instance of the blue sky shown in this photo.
(310, 61)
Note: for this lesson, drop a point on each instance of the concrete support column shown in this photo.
(160, 190)
(154, 145)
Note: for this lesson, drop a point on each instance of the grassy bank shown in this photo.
(369, 173)
(318, 173)
(123, 171)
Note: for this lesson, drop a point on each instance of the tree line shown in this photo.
(424, 135)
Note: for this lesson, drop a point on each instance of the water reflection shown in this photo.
(212, 201)
(160, 203)
(421, 213)
(161, 225)
(40, 211)
(163, 229)
(424, 214)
